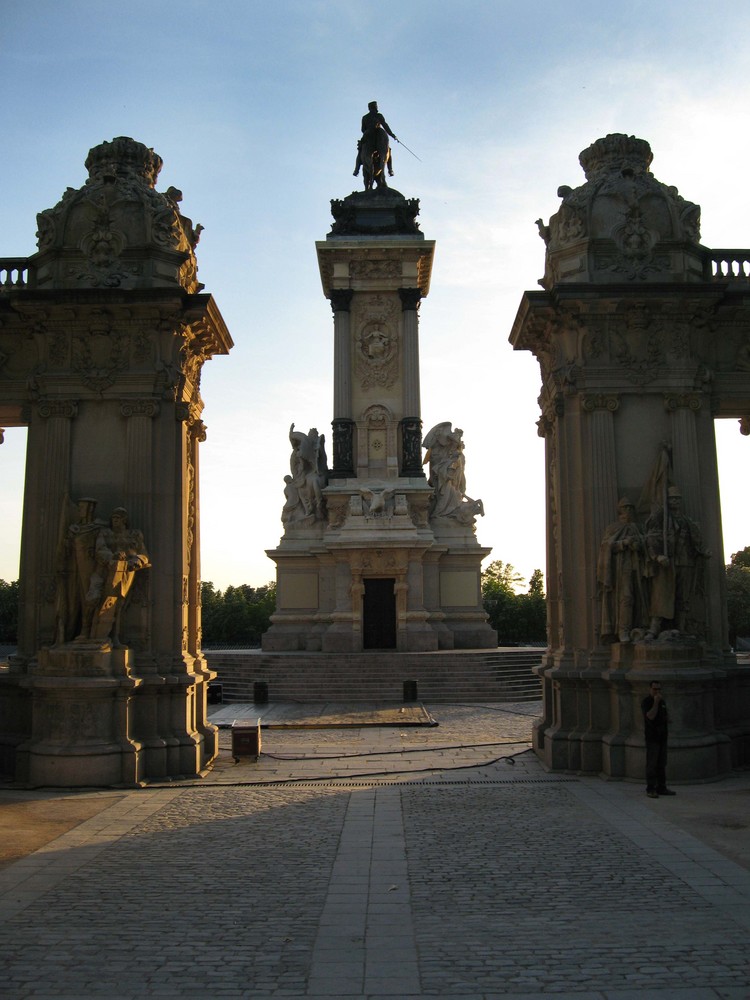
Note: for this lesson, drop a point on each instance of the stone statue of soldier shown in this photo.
(373, 119)
(675, 551)
(620, 571)
(77, 564)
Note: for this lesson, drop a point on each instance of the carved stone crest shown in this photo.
(377, 344)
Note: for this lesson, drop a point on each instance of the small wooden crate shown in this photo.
(245, 739)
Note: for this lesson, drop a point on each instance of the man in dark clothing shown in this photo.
(374, 119)
(656, 724)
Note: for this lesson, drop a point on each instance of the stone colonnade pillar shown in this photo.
(411, 423)
(343, 424)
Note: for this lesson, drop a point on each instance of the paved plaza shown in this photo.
(386, 861)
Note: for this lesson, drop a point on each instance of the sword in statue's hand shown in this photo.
(406, 148)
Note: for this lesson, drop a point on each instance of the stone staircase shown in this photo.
(502, 675)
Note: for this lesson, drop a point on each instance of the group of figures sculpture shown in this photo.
(650, 574)
(303, 491)
(304, 500)
(445, 455)
(97, 564)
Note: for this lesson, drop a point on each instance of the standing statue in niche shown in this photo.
(445, 455)
(76, 566)
(620, 572)
(120, 553)
(675, 553)
(309, 476)
(373, 149)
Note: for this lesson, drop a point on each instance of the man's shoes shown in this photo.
(666, 791)
(652, 794)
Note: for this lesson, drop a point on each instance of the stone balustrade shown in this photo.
(725, 265)
(16, 272)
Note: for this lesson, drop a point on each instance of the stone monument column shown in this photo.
(343, 425)
(411, 422)
(637, 339)
(373, 556)
(109, 685)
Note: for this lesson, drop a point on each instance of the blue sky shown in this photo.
(254, 108)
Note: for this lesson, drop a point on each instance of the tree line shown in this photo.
(238, 616)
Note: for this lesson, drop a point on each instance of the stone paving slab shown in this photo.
(471, 882)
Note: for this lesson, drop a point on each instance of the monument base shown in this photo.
(593, 722)
(94, 722)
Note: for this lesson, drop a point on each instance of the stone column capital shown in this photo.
(410, 298)
(58, 408)
(609, 401)
(341, 299)
(139, 408)
(682, 400)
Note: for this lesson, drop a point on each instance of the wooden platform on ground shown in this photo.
(326, 715)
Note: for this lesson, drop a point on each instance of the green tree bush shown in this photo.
(8, 612)
(517, 617)
(237, 617)
(738, 595)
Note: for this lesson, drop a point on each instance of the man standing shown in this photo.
(656, 724)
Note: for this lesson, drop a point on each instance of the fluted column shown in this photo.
(685, 451)
(343, 425)
(411, 424)
(604, 498)
(139, 460)
(45, 504)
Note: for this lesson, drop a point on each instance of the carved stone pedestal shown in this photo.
(83, 718)
(593, 720)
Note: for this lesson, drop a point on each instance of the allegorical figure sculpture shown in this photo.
(120, 553)
(620, 572)
(373, 149)
(675, 552)
(309, 476)
(76, 565)
(445, 454)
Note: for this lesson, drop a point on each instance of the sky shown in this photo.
(255, 109)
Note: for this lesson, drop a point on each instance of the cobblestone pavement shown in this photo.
(380, 863)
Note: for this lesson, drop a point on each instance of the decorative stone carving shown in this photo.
(382, 212)
(445, 454)
(623, 212)
(377, 498)
(601, 401)
(375, 268)
(117, 230)
(309, 467)
(120, 552)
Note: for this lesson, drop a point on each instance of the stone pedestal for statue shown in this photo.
(103, 335)
(375, 556)
(641, 336)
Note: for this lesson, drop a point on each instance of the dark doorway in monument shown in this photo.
(379, 614)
